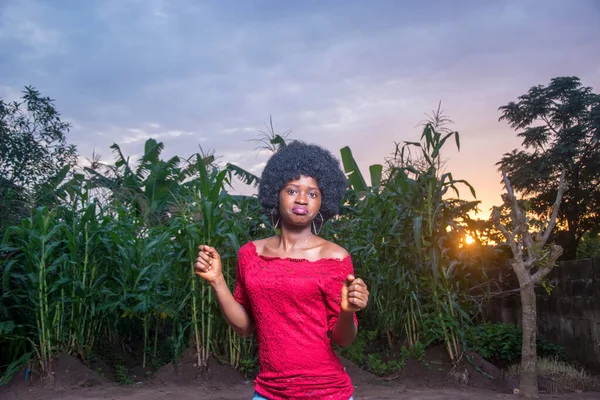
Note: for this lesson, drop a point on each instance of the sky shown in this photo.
(363, 74)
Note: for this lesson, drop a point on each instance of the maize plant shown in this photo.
(112, 260)
(397, 230)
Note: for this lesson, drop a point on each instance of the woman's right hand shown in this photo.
(208, 264)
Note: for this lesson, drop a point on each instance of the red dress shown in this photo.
(295, 303)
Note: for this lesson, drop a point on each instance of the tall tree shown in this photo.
(33, 151)
(532, 261)
(560, 127)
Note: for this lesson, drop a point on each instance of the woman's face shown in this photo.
(300, 201)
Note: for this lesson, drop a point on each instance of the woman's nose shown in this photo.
(302, 198)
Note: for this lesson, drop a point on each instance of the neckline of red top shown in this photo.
(274, 258)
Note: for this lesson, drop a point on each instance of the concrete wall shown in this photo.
(570, 315)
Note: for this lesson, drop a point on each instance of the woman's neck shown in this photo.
(291, 239)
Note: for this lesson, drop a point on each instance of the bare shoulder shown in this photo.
(332, 250)
(260, 244)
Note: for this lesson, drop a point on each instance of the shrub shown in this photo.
(502, 342)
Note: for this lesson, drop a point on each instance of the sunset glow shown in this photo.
(469, 239)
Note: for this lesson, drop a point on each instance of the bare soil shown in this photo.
(431, 378)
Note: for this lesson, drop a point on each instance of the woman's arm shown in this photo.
(345, 330)
(354, 297)
(208, 266)
(235, 314)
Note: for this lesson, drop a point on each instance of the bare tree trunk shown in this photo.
(529, 252)
(528, 386)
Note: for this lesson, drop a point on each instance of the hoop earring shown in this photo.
(273, 223)
(317, 232)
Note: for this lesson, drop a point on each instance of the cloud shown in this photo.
(10, 94)
(83, 161)
(336, 73)
(23, 25)
(257, 168)
(137, 135)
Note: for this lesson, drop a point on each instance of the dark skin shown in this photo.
(299, 204)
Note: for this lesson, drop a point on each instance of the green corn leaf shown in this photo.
(357, 182)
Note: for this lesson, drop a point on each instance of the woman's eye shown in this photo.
(313, 195)
(291, 191)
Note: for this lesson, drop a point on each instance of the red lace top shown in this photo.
(295, 303)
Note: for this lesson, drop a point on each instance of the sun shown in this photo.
(469, 239)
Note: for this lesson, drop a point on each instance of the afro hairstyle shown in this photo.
(301, 159)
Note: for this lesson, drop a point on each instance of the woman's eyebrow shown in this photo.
(297, 186)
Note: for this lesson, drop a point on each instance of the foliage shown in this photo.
(589, 246)
(495, 341)
(417, 351)
(111, 260)
(32, 140)
(560, 127)
(122, 374)
(248, 365)
(401, 231)
(357, 182)
(34, 154)
(379, 367)
(90, 269)
(149, 187)
(270, 141)
(502, 342)
(357, 351)
(367, 352)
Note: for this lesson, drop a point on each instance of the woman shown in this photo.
(294, 288)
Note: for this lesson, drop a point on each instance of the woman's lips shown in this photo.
(300, 210)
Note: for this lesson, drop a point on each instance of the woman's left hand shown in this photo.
(355, 295)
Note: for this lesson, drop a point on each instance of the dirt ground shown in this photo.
(244, 392)
(427, 379)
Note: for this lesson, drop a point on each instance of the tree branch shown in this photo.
(562, 186)
(510, 239)
(530, 244)
(518, 216)
(545, 119)
(510, 200)
(547, 264)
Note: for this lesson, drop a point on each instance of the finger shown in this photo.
(357, 288)
(355, 307)
(349, 279)
(203, 267)
(359, 296)
(204, 261)
(211, 251)
(358, 303)
(203, 256)
(358, 291)
(359, 282)
(362, 288)
(206, 249)
(199, 267)
(200, 261)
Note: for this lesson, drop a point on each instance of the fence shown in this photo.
(570, 315)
